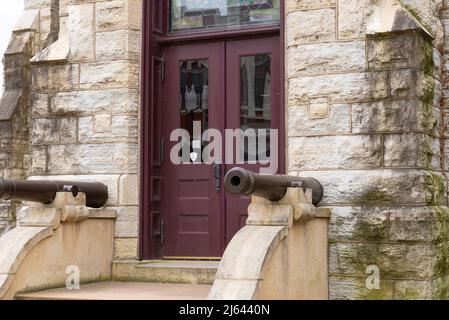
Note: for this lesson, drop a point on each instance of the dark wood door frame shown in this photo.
(154, 36)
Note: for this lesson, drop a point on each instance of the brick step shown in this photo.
(187, 272)
(123, 291)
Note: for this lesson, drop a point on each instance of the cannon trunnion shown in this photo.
(45, 191)
(272, 187)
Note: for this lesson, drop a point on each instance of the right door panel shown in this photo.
(253, 105)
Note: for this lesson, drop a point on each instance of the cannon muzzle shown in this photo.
(45, 191)
(272, 187)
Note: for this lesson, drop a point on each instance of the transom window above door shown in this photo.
(189, 15)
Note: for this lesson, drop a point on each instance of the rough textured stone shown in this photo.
(113, 74)
(127, 223)
(310, 26)
(107, 128)
(55, 77)
(292, 5)
(54, 130)
(354, 288)
(359, 223)
(129, 189)
(341, 152)
(339, 87)
(393, 116)
(398, 261)
(411, 150)
(92, 158)
(81, 32)
(118, 44)
(352, 18)
(338, 122)
(326, 57)
(380, 187)
(98, 101)
(125, 248)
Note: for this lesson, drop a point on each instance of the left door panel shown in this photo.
(191, 205)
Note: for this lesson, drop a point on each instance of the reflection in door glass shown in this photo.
(255, 102)
(194, 75)
(206, 14)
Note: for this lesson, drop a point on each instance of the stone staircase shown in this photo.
(143, 280)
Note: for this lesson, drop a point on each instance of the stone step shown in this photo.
(123, 291)
(166, 271)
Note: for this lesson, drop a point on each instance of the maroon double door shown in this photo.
(220, 85)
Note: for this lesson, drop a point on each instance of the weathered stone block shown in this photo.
(118, 44)
(111, 74)
(81, 31)
(40, 105)
(39, 160)
(363, 187)
(93, 102)
(127, 223)
(108, 158)
(328, 57)
(125, 248)
(129, 189)
(411, 150)
(352, 288)
(118, 14)
(54, 130)
(310, 26)
(55, 77)
(107, 128)
(292, 5)
(299, 124)
(339, 87)
(306, 153)
(412, 224)
(394, 116)
(319, 107)
(359, 223)
(395, 261)
(400, 50)
(352, 18)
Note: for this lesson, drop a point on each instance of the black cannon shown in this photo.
(45, 191)
(272, 187)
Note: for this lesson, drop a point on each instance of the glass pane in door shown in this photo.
(208, 14)
(194, 109)
(255, 105)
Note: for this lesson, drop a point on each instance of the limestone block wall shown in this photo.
(365, 117)
(14, 107)
(85, 105)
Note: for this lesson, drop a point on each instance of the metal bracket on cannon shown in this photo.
(48, 203)
(278, 199)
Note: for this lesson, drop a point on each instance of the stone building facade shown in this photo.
(366, 114)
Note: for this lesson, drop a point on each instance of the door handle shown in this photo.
(217, 176)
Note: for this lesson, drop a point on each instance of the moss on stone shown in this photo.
(434, 188)
(375, 196)
(441, 267)
(442, 222)
(409, 293)
(428, 64)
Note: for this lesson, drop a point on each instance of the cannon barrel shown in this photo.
(272, 187)
(45, 191)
